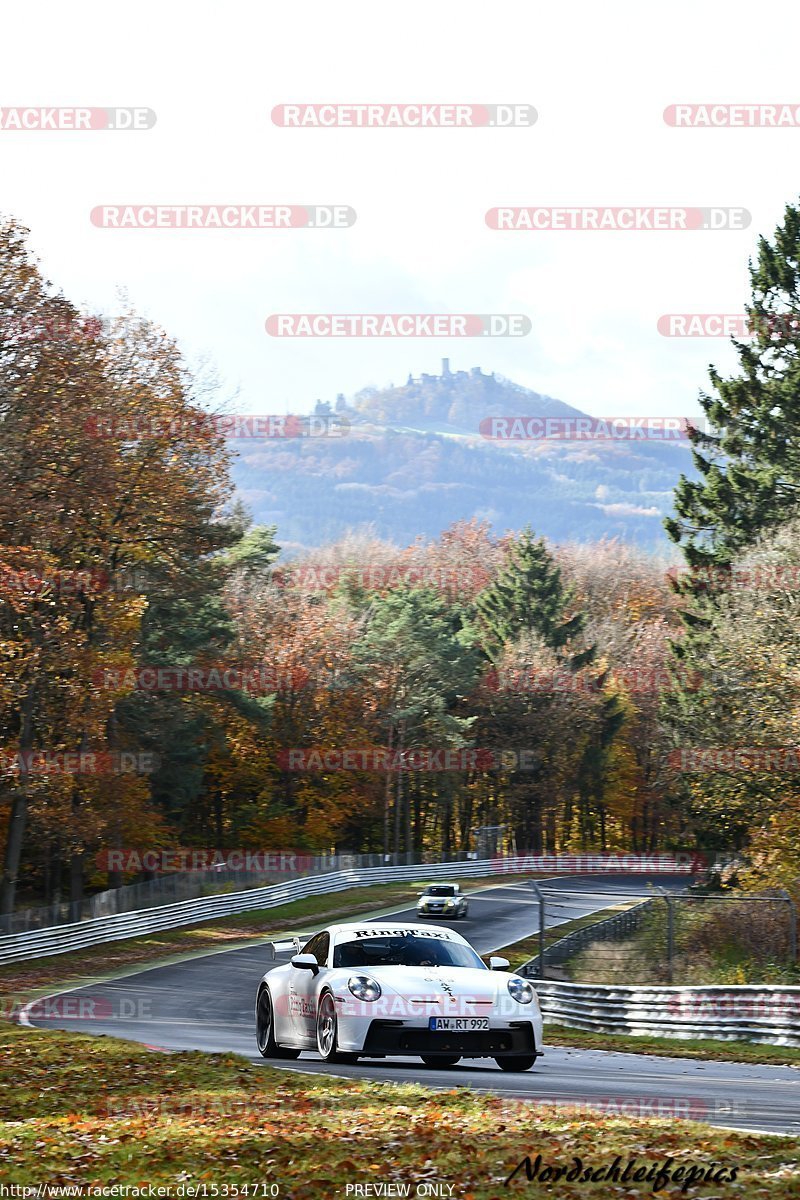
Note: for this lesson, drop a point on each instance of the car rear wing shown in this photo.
(285, 947)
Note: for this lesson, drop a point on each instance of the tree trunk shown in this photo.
(75, 885)
(446, 823)
(551, 830)
(115, 877)
(77, 855)
(398, 803)
(410, 793)
(218, 818)
(19, 810)
(387, 799)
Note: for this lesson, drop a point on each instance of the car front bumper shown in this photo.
(386, 1037)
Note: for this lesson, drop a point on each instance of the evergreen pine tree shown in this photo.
(528, 596)
(749, 457)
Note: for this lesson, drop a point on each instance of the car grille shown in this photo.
(393, 1037)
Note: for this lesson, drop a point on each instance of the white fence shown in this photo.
(769, 1014)
(60, 939)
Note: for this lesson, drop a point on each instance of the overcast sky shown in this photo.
(599, 77)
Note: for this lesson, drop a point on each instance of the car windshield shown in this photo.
(408, 951)
(439, 891)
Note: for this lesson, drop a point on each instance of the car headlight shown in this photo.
(364, 988)
(520, 991)
(449, 903)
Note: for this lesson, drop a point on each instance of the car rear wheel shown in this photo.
(440, 1060)
(328, 1032)
(516, 1062)
(265, 1030)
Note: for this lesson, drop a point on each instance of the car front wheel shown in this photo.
(516, 1062)
(265, 1030)
(328, 1032)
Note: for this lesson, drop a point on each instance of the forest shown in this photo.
(172, 677)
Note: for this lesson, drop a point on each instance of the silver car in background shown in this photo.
(443, 900)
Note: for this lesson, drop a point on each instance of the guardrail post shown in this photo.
(792, 927)
(540, 898)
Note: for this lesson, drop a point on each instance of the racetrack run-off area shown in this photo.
(206, 1003)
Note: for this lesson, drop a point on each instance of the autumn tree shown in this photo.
(107, 466)
(420, 661)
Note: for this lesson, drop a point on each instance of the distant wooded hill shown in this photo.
(413, 461)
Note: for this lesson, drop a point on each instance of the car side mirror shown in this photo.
(498, 964)
(306, 962)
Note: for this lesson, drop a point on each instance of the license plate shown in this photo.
(458, 1024)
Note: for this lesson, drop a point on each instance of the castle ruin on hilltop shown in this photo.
(448, 375)
(323, 408)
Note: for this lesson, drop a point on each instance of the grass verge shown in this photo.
(96, 1111)
(528, 948)
(708, 1048)
(728, 938)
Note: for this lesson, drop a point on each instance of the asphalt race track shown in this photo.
(206, 1003)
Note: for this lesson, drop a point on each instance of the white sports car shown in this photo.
(373, 991)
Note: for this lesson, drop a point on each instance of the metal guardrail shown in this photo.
(620, 924)
(78, 936)
(170, 886)
(260, 868)
(768, 1014)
